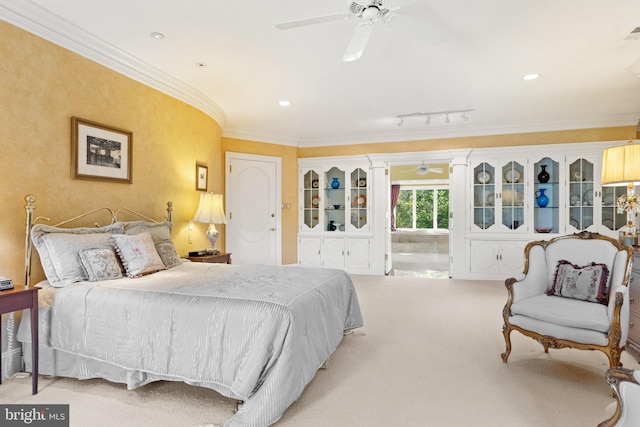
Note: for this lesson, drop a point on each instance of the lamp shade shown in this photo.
(621, 165)
(210, 209)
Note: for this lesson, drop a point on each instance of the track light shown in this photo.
(427, 122)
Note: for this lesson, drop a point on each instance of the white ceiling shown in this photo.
(466, 54)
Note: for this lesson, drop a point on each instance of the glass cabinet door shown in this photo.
(546, 190)
(513, 195)
(359, 218)
(484, 192)
(335, 199)
(311, 199)
(611, 218)
(581, 186)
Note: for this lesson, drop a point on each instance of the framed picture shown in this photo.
(202, 177)
(100, 152)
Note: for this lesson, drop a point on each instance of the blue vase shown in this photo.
(335, 183)
(541, 199)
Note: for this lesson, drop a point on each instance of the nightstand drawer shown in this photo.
(214, 259)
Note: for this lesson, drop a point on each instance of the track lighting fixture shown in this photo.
(427, 122)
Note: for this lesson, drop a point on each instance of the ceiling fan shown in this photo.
(367, 11)
(423, 169)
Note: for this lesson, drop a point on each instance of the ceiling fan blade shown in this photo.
(435, 170)
(312, 21)
(358, 41)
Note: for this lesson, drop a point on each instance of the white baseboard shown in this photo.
(11, 362)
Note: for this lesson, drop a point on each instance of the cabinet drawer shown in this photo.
(634, 300)
(634, 328)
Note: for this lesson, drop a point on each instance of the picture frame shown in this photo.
(202, 177)
(100, 152)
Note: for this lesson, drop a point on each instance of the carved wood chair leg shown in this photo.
(507, 339)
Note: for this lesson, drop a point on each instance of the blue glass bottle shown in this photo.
(541, 199)
(335, 183)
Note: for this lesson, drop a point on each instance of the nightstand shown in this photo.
(21, 298)
(219, 258)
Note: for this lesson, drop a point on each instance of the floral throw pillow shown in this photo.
(100, 264)
(138, 254)
(588, 283)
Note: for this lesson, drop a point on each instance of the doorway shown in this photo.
(254, 200)
(420, 220)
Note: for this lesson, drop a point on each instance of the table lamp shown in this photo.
(621, 166)
(210, 211)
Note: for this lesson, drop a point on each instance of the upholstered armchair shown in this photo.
(626, 389)
(573, 294)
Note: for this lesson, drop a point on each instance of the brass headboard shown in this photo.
(31, 206)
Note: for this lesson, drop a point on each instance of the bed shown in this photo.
(111, 308)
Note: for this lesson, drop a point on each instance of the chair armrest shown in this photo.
(613, 298)
(626, 389)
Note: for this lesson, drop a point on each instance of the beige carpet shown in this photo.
(429, 356)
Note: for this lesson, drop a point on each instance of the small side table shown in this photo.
(219, 258)
(21, 298)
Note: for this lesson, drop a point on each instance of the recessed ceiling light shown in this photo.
(284, 103)
(531, 76)
(157, 36)
(201, 64)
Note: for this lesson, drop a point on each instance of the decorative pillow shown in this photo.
(138, 254)
(588, 283)
(160, 233)
(168, 254)
(58, 249)
(100, 264)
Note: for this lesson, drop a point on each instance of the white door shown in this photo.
(254, 209)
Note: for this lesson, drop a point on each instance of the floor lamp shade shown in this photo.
(211, 211)
(621, 166)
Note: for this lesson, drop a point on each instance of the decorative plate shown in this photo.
(512, 176)
(575, 200)
(490, 199)
(361, 201)
(574, 223)
(609, 199)
(362, 182)
(483, 176)
(315, 183)
(588, 197)
(315, 201)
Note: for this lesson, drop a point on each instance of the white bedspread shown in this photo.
(255, 333)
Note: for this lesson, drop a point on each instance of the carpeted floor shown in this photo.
(429, 356)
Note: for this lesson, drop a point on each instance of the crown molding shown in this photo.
(36, 20)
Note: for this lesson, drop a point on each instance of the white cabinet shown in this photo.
(334, 198)
(501, 259)
(309, 251)
(498, 195)
(335, 214)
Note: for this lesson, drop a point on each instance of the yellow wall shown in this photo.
(288, 155)
(43, 86)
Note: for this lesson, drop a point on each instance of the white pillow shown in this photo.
(138, 254)
(100, 264)
(161, 234)
(58, 249)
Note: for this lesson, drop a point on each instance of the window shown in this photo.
(421, 207)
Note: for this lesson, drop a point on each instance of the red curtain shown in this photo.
(395, 192)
